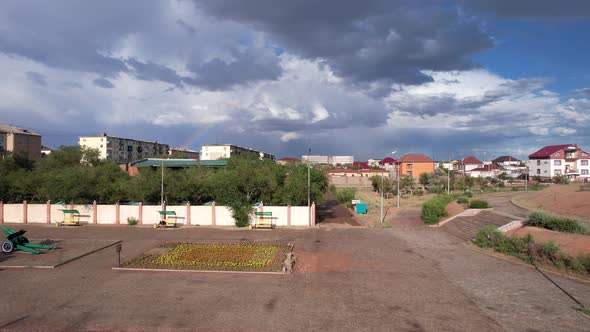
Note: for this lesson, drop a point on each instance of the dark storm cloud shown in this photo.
(103, 83)
(37, 78)
(531, 8)
(246, 66)
(365, 41)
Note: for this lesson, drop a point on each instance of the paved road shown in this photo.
(407, 278)
(501, 202)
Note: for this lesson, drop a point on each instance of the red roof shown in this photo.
(414, 158)
(288, 159)
(471, 160)
(547, 151)
(387, 160)
(361, 164)
(485, 168)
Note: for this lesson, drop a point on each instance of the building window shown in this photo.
(557, 162)
(538, 162)
(584, 162)
(409, 166)
(584, 172)
(538, 171)
(557, 172)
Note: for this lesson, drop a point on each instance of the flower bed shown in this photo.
(258, 257)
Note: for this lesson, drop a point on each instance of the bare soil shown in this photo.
(454, 209)
(573, 244)
(563, 200)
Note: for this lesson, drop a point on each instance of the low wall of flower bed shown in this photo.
(251, 257)
(118, 214)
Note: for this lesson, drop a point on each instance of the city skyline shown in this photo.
(482, 78)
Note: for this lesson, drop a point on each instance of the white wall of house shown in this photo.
(583, 166)
(469, 167)
(540, 167)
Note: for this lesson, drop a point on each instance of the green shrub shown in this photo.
(528, 250)
(333, 189)
(241, 213)
(132, 221)
(478, 204)
(554, 223)
(462, 200)
(345, 196)
(537, 186)
(435, 208)
(419, 192)
(514, 189)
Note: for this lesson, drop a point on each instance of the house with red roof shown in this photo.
(471, 163)
(558, 160)
(387, 163)
(361, 165)
(414, 164)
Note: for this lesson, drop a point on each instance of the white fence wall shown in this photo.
(107, 214)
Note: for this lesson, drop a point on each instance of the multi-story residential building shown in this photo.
(505, 161)
(183, 153)
(414, 164)
(329, 160)
(123, 150)
(21, 142)
(470, 163)
(225, 151)
(558, 160)
(2, 142)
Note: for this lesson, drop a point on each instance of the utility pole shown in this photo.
(162, 184)
(309, 188)
(449, 176)
(398, 193)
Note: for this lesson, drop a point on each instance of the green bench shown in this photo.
(167, 219)
(263, 220)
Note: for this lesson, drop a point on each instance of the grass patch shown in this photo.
(584, 309)
(554, 223)
(436, 208)
(214, 257)
(345, 196)
(479, 204)
(526, 249)
(462, 200)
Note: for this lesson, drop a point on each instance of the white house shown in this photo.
(557, 160)
(225, 151)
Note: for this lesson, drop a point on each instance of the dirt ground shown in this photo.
(573, 244)
(564, 200)
(454, 209)
(390, 210)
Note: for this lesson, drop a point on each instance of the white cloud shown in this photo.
(290, 136)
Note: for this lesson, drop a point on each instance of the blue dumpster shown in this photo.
(361, 208)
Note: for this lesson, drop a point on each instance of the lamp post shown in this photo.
(162, 184)
(308, 188)
(398, 194)
(383, 187)
(449, 176)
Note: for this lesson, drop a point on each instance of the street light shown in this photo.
(162, 184)
(308, 188)
(383, 187)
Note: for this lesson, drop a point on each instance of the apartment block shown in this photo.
(183, 153)
(19, 141)
(558, 160)
(123, 150)
(329, 160)
(225, 151)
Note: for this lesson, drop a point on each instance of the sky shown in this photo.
(445, 78)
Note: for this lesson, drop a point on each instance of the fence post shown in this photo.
(313, 214)
(117, 213)
(140, 221)
(48, 212)
(188, 213)
(94, 213)
(289, 215)
(25, 211)
(1, 212)
(213, 221)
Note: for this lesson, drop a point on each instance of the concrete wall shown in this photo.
(345, 181)
(146, 214)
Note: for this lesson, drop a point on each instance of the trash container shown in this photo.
(361, 208)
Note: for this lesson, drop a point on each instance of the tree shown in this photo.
(407, 184)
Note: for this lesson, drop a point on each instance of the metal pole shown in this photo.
(381, 218)
(162, 185)
(397, 169)
(449, 176)
(308, 188)
(526, 180)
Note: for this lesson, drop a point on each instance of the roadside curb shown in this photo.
(466, 213)
(195, 271)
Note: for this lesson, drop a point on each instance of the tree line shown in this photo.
(74, 174)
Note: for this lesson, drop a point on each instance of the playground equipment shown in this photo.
(17, 241)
